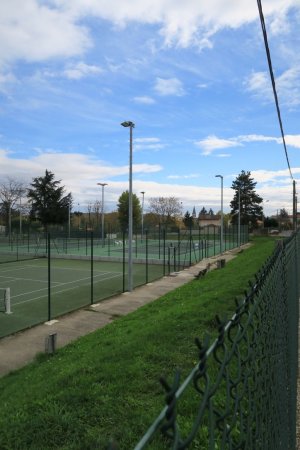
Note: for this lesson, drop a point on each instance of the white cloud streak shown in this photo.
(81, 70)
(213, 143)
(144, 100)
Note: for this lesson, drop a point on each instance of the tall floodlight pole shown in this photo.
(143, 194)
(129, 125)
(102, 212)
(222, 218)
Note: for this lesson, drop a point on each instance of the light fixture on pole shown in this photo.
(129, 125)
(143, 194)
(102, 212)
(222, 219)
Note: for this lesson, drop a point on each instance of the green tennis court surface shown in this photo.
(72, 284)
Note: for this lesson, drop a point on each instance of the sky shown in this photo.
(192, 76)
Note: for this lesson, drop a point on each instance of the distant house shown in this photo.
(205, 220)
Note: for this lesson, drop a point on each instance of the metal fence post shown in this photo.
(92, 268)
(49, 276)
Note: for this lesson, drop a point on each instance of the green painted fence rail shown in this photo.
(244, 387)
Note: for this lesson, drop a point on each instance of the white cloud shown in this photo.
(211, 143)
(181, 23)
(149, 143)
(76, 168)
(257, 138)
(145, 100)
(36, 32)
(287, 86)
(169, 86)
(292, 140)
(259, 83)
(264, 176)
(80, 70)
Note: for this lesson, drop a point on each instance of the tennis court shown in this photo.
(38, 294)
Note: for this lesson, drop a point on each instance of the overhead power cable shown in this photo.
(262, 20)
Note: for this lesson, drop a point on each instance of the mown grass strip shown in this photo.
(106, 384)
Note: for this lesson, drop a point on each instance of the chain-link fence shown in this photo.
(244, 387)
(52, 274)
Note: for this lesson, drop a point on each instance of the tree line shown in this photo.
(48, 204)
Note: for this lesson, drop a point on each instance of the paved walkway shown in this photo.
(21, 348)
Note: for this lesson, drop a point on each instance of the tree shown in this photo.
(49, 204)
(10, 192)
(166, 208)
(283, 214)
(246, 197)
(123, 211)
(203, 211)
(270, 222)
(188, 220)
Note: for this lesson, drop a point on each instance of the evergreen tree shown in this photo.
(123, 211)
(283, 214)
(188, 220)
(49, 204)
(249, 200)
(203, 211)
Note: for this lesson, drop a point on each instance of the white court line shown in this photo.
(25, 279)
(46, 281)
(59, 292)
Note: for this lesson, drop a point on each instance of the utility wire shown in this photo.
(262, 20)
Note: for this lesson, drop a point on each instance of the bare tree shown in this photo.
(166, 208)
(11, 191)
(97, 209)
(89, 210)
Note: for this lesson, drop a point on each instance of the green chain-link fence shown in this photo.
(52, 274)
(243, 389)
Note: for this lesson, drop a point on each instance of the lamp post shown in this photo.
(143, 194)
(129, 125)
(102, 212)
(222, 219)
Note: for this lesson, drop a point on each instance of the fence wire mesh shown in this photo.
(244, 387)
(50, 275)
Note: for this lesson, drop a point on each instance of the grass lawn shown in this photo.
(106, 384)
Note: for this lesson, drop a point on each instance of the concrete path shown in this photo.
(21, 348)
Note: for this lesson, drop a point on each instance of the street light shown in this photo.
(143, 193)
(102, 212)
(222, 220)
(129, 125)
